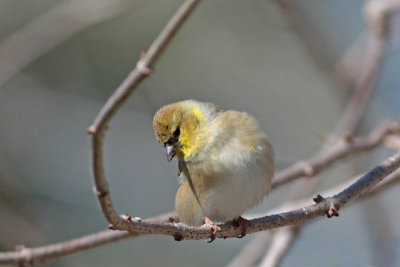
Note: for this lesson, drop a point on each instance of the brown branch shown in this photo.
(388, 182)
(43, 254)
(355, 109)
(344, 147)
(46, 253)
(116, 100)
(253, 250)
(228, 230)
(98, 128)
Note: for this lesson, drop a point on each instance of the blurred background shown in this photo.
(61, 60)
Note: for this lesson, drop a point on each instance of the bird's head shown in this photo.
(180, 128)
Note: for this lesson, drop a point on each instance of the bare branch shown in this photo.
(31, 256)
(249, 254)
(344, 147)
(98, 128)
(143, 68)
(252, 251)
(329, 206)
(355, 109)
(377, 14)
(390, 181)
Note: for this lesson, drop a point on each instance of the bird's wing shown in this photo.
(182, 169)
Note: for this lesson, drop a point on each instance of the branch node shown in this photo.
(101, 194)
(333, 209)
(141, 65)
(26, 252)
(348, 138)
(127, 218)
(91, 130)
(307, 168)
(333, 205)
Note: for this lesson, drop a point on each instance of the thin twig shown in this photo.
(98, 128)
(344, 147)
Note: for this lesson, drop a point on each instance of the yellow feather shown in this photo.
(199, 115)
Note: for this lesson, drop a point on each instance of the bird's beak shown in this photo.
(171, 152)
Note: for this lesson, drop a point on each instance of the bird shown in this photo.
(225, 161)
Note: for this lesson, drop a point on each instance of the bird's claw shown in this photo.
(243, 224)
(213, 227)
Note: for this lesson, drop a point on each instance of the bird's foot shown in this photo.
(214, 228)
(243, 224)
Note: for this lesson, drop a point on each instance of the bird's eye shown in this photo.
(177, 132)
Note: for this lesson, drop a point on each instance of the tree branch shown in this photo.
(355, 109)
(253, 250)
(98, 130)
(329, 206)
(99, 127)
(31, 256)
(46, 253)
(344, 147)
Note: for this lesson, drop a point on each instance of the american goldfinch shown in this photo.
(225, 160)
